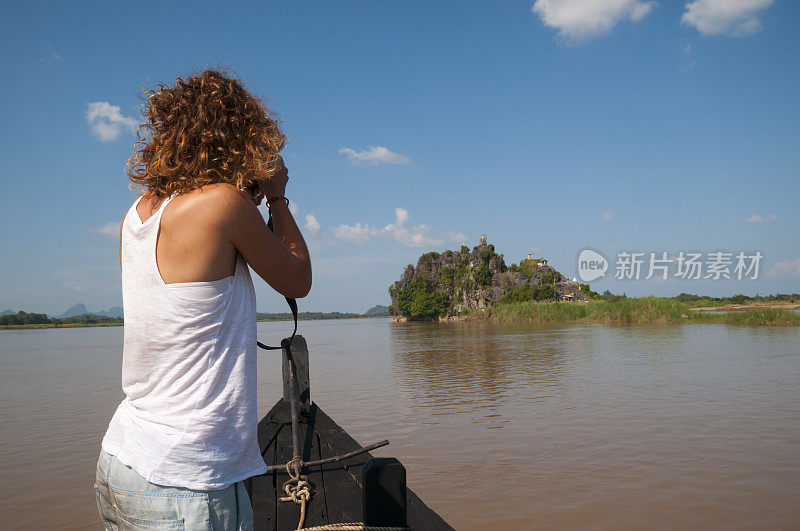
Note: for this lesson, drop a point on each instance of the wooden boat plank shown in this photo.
(344, 492)
(338, 495)
(262, 491)
(272, 422)
(423, 518)
(345, 501)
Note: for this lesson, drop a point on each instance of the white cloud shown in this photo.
(415, 236)
(293, 208)
(606, 215)
(401, 216)
(755, 218)
(577, 20)
(312, 225)
(399, 230)
(358, 233)
(373, 155)
(458, 237)
(735, 17)
(107, 121)
(788, 267)
(109, 229)
(53, 53)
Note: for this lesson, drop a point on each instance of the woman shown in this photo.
(184, 438)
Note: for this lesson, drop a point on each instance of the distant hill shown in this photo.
(7, 312)
(78, 309)
(306, 316)
(377, 311)
(114, 311)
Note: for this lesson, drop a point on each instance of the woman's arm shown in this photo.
(280, 258)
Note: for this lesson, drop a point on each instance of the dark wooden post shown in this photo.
(300, 357)
(385, 497)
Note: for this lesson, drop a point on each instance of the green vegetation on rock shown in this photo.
(456, 281)
(418, 299)
(528, 292)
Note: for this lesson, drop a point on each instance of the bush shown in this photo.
(483, 275)
(528, 268)
(427, 259)
(24, 318)
(587, 290)
(486, 255)
(419, 300)
(447, 277)
(529, 292)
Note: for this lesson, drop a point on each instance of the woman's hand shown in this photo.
(254, 193)
(275, 186)
(281, 256)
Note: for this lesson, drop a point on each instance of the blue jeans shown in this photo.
(127, 501)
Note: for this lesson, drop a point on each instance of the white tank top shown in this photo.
(188, 371)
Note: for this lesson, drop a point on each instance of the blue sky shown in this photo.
(550, 126)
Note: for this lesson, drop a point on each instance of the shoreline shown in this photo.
(91, 325)
(751, 306)
(645, 310)
(60, 325)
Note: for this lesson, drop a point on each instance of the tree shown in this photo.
(587, 290)
(530, 292)
(418, 299)
(483, 275)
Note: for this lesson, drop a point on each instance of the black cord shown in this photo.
(292, 304)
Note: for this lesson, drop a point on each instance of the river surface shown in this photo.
(499, 426)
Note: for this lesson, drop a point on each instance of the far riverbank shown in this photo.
(645, 310)
(262, 317)
(57, 325)
(750, 306)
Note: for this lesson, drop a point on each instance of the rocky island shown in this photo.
(453, 282)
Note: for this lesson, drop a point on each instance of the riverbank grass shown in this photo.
(645, 310)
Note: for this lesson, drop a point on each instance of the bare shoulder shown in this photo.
(214, 203)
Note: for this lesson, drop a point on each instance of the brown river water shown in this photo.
(499, 426)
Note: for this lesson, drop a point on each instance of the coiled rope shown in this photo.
(298, 490)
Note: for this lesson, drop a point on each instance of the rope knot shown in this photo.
(297, 487)
(298, 490)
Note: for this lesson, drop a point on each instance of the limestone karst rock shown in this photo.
(449, 282)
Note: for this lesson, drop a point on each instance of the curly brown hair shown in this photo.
(206, 129)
